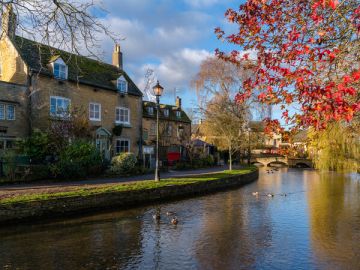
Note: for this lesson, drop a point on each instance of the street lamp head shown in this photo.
(158, 89)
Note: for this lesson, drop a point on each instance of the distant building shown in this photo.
(174, 131)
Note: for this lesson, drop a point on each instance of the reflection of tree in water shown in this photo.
(334, 206)
(78, 244)
(235, 234)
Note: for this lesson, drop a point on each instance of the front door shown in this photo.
(103, 142)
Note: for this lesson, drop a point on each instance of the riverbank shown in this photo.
(80, 200)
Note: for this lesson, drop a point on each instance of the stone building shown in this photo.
(174, 131)
(55, 82)
(13, 114)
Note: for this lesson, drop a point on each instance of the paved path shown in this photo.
(7, 191)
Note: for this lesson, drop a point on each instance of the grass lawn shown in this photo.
(138, 185)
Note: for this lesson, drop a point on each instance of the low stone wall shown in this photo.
(81, 204)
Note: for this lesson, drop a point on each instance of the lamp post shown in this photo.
(249, 149)
(158, 90)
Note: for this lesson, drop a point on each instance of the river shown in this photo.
(315, 226)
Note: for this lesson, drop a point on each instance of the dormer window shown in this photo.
(166, 112)
(150, 110)
(122, 85)
(178, 114)
(60, 69)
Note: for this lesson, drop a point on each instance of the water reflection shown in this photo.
(334, 207)
(316, 226)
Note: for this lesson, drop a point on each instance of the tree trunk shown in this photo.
(230, 159)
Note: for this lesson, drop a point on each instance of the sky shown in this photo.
(172, 37)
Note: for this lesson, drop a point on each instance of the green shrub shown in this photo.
(79, 159)
(123, 163)
(37, 146)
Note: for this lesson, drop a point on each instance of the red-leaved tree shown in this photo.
(305, 52)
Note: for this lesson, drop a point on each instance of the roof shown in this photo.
(172, 112)
(200, 143)
(81, 69)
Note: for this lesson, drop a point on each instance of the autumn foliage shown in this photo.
(305, 53)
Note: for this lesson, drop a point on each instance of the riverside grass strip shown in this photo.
(123, 187)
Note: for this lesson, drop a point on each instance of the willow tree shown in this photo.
(336, 148)
(224, 124)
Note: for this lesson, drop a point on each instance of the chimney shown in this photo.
(9, 21)
(178, 102)
(117, 57)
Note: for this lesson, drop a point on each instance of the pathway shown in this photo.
(7, 191)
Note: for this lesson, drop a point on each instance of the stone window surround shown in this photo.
(93, 112)
(118, 148)
(4, 115)
(118, 121)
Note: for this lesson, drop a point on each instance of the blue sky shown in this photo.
(170, 36)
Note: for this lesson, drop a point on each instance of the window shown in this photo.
(122, 146)
(169, 130)
(6, 144)
(166, 113)
(153, 129)
(59, 107)
(122, 85)
(60, 71)
(178, 114)
(10, 112)
(150, 110)
(95, 111)
(7, 112)
(122, 115)
(145, 135)
(2, 112)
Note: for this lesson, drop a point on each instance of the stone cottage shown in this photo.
(55, 82)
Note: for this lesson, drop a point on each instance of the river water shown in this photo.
(316, 226)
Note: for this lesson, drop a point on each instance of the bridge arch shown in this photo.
(302, 165)
(257, 163)
(277, 163)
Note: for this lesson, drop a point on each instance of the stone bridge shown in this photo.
(270, 160)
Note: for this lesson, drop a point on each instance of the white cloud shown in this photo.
(201, 3)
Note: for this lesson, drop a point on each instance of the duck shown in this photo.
(157, 216)
(270, 195)
(170, 213)
(255, 193)
(174, 221)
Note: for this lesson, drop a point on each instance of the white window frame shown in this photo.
(178, 114)
(63, 74)
(4, 107)
(7, 112)
(94, 104)
(118, 121)
(122, 85)
(122, 140)
(60, 114)
(3, 111)
(150, 110)
(166, 112)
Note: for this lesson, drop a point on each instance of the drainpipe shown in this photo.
(29, 97)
